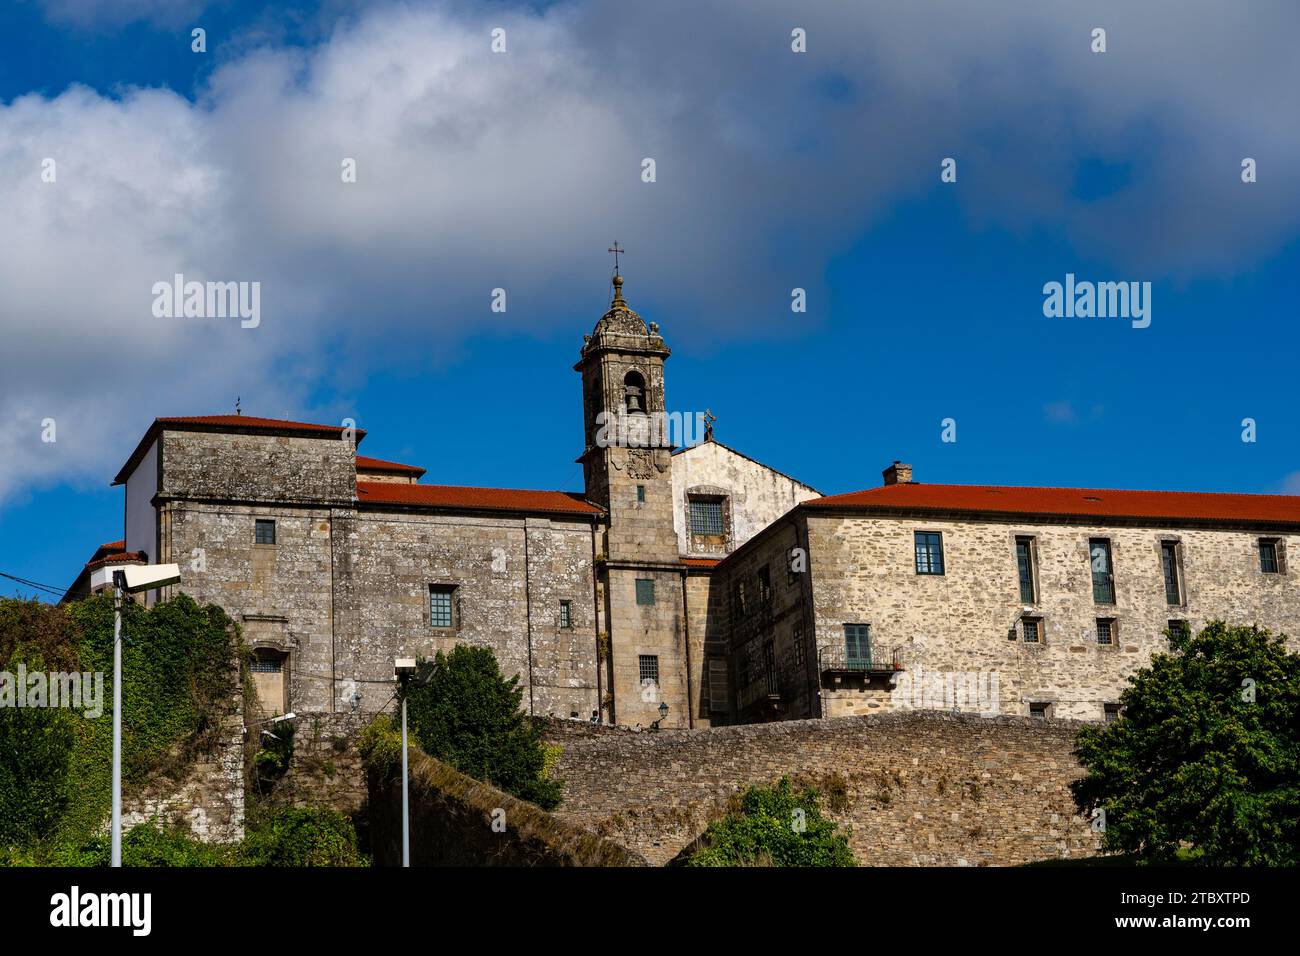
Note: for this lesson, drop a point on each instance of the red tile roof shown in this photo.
(123, 557)
(1169, 506)
(454, 498)
(701, 562)
(223, 423)
(378, 464)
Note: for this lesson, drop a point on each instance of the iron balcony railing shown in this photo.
(874, 660)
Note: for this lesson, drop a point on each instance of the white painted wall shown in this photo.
(759, 495)
(141, 518)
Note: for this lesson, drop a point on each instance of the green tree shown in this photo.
(1205, 763)
(35, 754)
(462, 710)
(774, 826)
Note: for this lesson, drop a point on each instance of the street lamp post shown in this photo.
(129, 580)
(403, 668)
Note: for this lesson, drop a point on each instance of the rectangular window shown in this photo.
(706, 516)
(566, 614)
(1110, 713)
(1178, 628)
(640, 492)
(1169, 565)
(1105, 630)
(264, 531)
(649, 667)
(1103, 578)
(857, 643)
(1031, 629)
(440, 604)
(929, 552)
(1268, 562)
(764, 584)
(769, 666)
(796, 635)
(742, 670)
(1039, 710)
(1025, 569)
(645, 591)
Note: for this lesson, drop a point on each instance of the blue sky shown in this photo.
(774, 170)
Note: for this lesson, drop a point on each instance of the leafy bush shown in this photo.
(380, 745)
(773, 826)
(273, 756)
(464, 712)
(301, 836)
(1195, 763)
(55, 765)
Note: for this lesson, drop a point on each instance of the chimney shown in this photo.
(898, 474)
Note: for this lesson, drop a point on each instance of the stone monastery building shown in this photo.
(694, 577)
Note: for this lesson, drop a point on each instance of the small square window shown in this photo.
(1110, 713)
(929, 552)
(1031, 630)
(1105, 630)
(264, 531)
(441, 605)
(1178, 628)
(1269, 561)
(566, 614)
(648, 665)
(1040, 710)
(645, 591)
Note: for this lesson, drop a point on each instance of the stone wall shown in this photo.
(909, 789)
(208, 799)
(325, 769)
(452, 820)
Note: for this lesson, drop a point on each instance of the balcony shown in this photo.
(837, 660)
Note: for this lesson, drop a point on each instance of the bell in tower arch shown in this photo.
(634, 392)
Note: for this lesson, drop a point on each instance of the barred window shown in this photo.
(1031, 629)
(645, 591)
(566, 614)
(1103, 577)
(706, 516)
(1110, 713)
(796, 635)
(769, 666)
(440, 604)
(264, 531)
(1169, 565)
(1178, 628)
(929, 552)
(1040, 710)
(1268, 562)
(266, 665)
(764, 584)
(649, 668)
(1025, 569)
(1105, 630)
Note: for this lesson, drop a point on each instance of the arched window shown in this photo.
(634, 397)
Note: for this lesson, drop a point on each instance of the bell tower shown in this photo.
(627, 464)
(627, 453)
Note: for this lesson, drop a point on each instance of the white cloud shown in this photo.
(479, 170)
